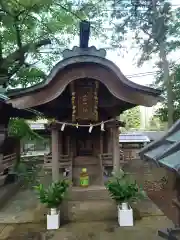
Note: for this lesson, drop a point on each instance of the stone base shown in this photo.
(96, 210)
(85, 211)
(88, 193)
(90, 204)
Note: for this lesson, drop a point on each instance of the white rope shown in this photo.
(83, 125)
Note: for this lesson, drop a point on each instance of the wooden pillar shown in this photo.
(116, 150)
(55, 154)
(101, 142)
(109, 140)
(68, 145)
(1, 161)
(101, 150)
(50, 144)
(60, 141)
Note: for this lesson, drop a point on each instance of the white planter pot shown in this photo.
(53, 211)
(125, 215)
(124, 206)
(53, 219)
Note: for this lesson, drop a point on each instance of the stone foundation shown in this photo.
(95, 205)
(88, 193)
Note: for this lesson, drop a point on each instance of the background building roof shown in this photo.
(133, 137)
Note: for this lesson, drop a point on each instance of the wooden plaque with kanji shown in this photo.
(86, 100)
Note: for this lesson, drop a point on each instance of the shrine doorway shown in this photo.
(86, 156)
(85, 143)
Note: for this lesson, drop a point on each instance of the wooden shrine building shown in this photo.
(9, 145)
(84, 93)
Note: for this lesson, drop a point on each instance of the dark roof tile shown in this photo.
(165, 151)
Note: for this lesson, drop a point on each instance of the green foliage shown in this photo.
(156, 124)
(52, 196)
(28, 172)
(131, 118)
(122, 189)
(28, 76)
(20, 128)
(151, 22)
(155, 26)
(162, 112)
(33, 34)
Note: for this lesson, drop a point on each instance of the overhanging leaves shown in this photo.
(33, 34)
(21, 129)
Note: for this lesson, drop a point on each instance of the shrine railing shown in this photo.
(65, 164)
(64, 161)
(107, 159)
(7, 161)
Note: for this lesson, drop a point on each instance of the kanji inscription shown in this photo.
(85, 103)
(85, 100)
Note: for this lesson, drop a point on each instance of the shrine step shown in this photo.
(89, 193)
(82, 211)
(96, 210)
(92, 210)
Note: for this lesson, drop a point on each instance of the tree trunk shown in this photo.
(168, 84)
(167, 81)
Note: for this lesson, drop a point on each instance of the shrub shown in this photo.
(52, 196)
(123, 189)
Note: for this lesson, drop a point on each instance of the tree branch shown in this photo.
(4, 9)
(18, 38)
(15, 69)
(69, 11)
(16, 56)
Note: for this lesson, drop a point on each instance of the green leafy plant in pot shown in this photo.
(53, 195)
(123, 190)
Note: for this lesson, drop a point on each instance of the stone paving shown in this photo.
(24, 207)
(20, 208)
(106, 230)
(144, 229)
(23, 219)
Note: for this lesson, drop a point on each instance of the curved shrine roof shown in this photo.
(84, 63)
(14, 112)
